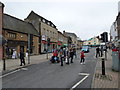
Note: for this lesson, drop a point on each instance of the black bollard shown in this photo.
(4, 65)
(103, 66)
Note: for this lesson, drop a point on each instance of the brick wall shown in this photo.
(1, 21)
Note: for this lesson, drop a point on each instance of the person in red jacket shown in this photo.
(82, 57)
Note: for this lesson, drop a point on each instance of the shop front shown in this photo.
(13, 45)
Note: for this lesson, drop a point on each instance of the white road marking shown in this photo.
(25, 69)
(86, 75)
(9, 73)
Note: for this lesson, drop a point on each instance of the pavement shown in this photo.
(111, 79)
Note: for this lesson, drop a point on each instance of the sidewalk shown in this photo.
(12, 64)
(111, 79)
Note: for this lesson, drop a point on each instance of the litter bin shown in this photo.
(115, 60)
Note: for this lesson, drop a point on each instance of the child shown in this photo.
(82, 58)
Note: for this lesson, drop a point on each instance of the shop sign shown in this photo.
(43, 37)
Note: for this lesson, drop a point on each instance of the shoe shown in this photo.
(81, 63)
(20, 65)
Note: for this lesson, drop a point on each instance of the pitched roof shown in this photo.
(15, 24)
(69, 34)
(34, 15)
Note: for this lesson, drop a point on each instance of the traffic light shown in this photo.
(48, 41)
(104, 37)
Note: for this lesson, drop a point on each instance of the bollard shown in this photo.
(103, 66)
(4, 65)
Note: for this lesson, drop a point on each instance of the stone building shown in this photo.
(18, 33)
(79, 43)
(46, 29)
(62, 40)
(1, 26)
(118, 29)
(92, 42)
(73, 36)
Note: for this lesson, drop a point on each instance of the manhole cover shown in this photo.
(104, 77)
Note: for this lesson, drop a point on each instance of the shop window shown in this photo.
(11, 35)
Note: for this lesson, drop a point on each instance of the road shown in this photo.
(47, 75)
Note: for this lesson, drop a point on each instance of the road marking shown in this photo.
(84, 74)
(24, 69)
(9, 73)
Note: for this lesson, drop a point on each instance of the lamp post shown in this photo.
(3, 42)
(28, 48)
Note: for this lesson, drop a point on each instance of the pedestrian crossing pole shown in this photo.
(103, 66)
(28, 48)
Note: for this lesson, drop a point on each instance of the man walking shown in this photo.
(71, 55)
(97, 52)
(22, 60)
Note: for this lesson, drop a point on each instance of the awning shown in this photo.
(45, 42)
(65, 44)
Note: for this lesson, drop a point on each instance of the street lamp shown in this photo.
(3, 42)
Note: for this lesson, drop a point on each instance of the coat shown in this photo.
(22, 55)
(82, 55)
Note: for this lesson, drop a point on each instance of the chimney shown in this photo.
(1, 26)
(64, 32)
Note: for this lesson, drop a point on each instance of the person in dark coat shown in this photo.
(97, 52)
(22, 60)
(71, 55)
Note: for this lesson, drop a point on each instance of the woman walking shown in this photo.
(82, 58)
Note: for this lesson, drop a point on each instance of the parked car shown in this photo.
(85, 49)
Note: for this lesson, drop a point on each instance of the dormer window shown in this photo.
(52, 25)
(43, 20)
(48, 23)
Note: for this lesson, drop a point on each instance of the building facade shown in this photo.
(79, 43)
(62, 40)
(20, 35)
(46, 29)
(73, 36)
(1, 26)
(92, 42)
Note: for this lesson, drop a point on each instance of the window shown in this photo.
(11, 35)
(52, 25)
(48, 23)
(43, 20)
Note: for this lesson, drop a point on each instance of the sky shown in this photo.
(85, 18)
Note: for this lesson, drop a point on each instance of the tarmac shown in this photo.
(111, 79)
(12, 64)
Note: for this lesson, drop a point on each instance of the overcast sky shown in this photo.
(85, 18)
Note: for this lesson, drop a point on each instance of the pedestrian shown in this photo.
(61, 56)
(82, 61)
(97, 52)
(22, 60)
(71, 55)
(26, 55)
(67, 56)
(14, 55)
(74, 50)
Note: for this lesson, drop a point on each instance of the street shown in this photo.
(47, 75)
